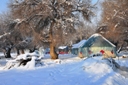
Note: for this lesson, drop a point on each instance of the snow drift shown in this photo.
(70, 71)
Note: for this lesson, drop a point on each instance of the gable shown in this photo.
(98, 40)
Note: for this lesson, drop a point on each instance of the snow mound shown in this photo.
(101, 72)
(31, 64)
(28, 60)
(70, 71)
(27, 55)
(96, 66)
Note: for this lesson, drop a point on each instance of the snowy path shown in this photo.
(44, 76)
(71, 73)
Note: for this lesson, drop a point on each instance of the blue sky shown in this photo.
(94, 1)
(3, 5)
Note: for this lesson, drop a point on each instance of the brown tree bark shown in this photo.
(22, 51)
(53, 53)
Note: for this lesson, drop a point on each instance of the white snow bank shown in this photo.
(123, 61)
(18, 61)
(101, 71)
(70, 71)
(98, 67)
(31, 64)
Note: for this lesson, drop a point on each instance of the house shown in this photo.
(76, 47)
(63, 49)
(96, 44)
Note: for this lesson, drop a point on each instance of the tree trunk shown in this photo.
(18, 51)
(53, 53)
(7, 53)
(32, 50)
(22, 51)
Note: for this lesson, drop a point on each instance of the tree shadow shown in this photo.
(123, 70)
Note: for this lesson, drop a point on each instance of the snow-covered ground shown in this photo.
(67, 70)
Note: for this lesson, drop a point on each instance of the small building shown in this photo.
(97, 43)
(63, 49)
(76, 47)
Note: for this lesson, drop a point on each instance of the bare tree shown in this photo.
(5, 43)
(115, 20)
(11, 37)
(85, 31)
(44, 18)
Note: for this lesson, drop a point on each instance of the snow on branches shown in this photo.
(29, 60)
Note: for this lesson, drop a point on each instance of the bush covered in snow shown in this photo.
(29, 60)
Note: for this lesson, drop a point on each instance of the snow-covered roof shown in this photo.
(80, 44)
(62, 47)
(95, 35)
(99, 35)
